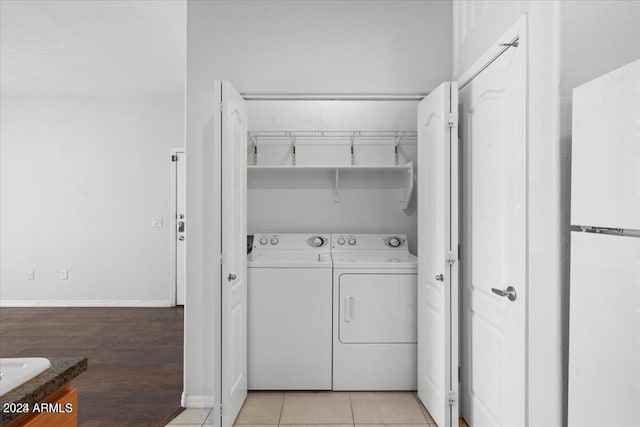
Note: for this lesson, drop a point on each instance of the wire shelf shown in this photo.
(258, 137)
(327, 147)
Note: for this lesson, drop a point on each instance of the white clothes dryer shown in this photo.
(375, 313)
(289, 312)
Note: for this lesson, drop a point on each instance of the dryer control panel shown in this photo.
(369, 241)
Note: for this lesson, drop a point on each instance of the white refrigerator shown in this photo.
(604, 314)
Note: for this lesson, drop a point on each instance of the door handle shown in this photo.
(510, 293)
(348, 308)
(440, 277)
(181, 238)
(231, 277)
(181, 227)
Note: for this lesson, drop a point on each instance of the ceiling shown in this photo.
(99, 48)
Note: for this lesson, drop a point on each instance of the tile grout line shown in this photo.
(284, 396)
(353, 418)
(423, 409)
(207, 417)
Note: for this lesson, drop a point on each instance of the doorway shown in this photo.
(178, 235)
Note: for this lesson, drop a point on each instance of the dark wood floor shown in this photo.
(135, 357)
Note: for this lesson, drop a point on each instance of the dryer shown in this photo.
(375, 312)
(289, 312)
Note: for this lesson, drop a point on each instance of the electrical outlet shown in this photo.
(156, 221)
(31, 275)
(64, 274)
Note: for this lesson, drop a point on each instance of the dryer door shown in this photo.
(378, 308)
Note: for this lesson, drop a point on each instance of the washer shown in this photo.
(289, 312)
(375, 312)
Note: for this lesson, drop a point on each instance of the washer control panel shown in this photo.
(395, 241)
(272, 240)
(317, 241)
(290, 241)
(265, 240)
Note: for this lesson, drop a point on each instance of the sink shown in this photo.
(16, 371)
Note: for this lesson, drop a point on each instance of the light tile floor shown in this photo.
(321, 409)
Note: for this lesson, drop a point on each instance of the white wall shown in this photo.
(97, 48)
(330, 46)
(279, 46)
(597, 37)
(476, 26)
(80, 181)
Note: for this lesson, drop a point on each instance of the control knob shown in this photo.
(263, 241)
(317, 242)
(394, 242)
(341, 241)
(352, 241)
(274, 240)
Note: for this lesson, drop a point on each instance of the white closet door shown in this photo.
(438, 243)
(493, 119)
(234, 252)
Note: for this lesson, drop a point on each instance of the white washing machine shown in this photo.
(289, 312)
(375, 313)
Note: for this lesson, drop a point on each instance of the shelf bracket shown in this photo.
(398, 138)
(336, 190)
(254, 141)
(293, 147)
(353, 137)
(408, 188)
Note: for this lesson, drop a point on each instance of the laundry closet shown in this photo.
(331, 281)
(330, 298)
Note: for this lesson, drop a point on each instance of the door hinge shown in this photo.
(221, 106)
(452, 397)
(174, 157)
(452, 120)
(221, 410)
(452, 257)
(220, 259)
(514, 43)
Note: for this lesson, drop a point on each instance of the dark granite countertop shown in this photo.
(62, 370)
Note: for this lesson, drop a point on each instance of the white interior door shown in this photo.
(493, 121)
(438, 245)
(234, 252)
(180, 224)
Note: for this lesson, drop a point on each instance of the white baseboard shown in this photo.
(202, 401)
(86, 303)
